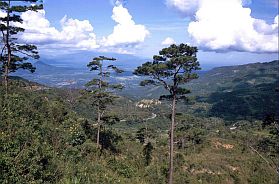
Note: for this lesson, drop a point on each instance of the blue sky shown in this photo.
(226, 31)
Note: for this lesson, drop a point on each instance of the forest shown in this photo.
(221, 126)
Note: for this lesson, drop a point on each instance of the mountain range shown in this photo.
(241, 91)
(81, 59)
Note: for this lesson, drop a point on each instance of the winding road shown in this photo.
(152, 117)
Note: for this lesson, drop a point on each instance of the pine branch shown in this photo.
(165, 84)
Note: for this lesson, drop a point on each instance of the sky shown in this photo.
(227, 32)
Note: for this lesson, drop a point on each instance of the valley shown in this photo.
(218, 137)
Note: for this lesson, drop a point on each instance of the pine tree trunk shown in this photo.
(6, 79)
(171, 140)
(7, 65)
(146, 136)
(99, 111)
(98, 128)
(6, 74)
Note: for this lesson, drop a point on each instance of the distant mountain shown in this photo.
(81, 59)
(231, 92)
(229, 77)
(70, 77)
(54, 76)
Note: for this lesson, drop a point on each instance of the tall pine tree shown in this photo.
(172, 68)
(14, 53)
(100, 91)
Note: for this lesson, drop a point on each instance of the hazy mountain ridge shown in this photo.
(237, 92)
(242, 91)
(224, 78)
(218, 79)
(81, 59)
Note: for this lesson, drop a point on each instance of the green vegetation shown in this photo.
(240, 92)
(45, 139)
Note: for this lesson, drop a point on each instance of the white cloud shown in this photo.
(78, 32)
(168, 41)
(126, 32)
(79, 35)
(74, 34)
(37, 28)
(226, 25)
(185, 7)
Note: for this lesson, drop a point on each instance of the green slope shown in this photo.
(241, 92)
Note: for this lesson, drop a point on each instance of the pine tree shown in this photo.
(172, 68)
(14, 53)
(100, 91)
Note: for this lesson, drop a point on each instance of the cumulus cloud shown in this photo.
(168, 41)
(126, 32)
(79, 32)
(37, 28)
(73, 34)
(227, 25)
(185, 7)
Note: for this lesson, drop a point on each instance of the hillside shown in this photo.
(45, 138)
(226, 132)
(230, 77)
(240, 92)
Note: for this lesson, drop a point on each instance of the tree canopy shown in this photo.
(172, 68)
(14, 51)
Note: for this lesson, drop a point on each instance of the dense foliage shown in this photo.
(43, 140)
